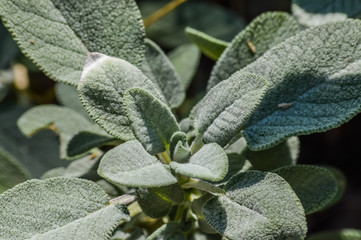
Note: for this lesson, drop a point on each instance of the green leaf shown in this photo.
(103, 84)
(341, 185)
(130, 165)
(73, 29)
(210, 46)
(315, 79)
(62, 120)
(313, 13)
(236, 163)
(158, 68)
(169, 231)
(257, 205)
(58, 208)
(185, 60)
(209, 163)
(8, 48)
(152, 121)
(344, 234)
(223, 111)
(315, 186)
(179, 148)
(264, 32)
(135, 234)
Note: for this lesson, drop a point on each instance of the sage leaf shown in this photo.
(344, 234)
(158, 68)
(103, 84)
(130, 165)
(341, 185)
(169, 231)
(210, 46)
(73, 29)
(315, 78)
(152, 121)
(257, 205)
(313, 13)
(8, 48)
(224, 110)
(209, 163)
(185, 60)
(58, 208)
(264, 32)
(314, 186)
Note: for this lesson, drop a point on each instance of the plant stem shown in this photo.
(164, 157)
(197, 143)
(162, 12)
(134, 209)
(204, 186)
(123, 199)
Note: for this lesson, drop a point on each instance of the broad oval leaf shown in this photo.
(257, 205)
(58, 208)
(130, 165)
(73, 29)
(315, 186)
(103, 84)
(264, 32)
(224, 110)
(315, 81)
(344, 234)
(169, 231)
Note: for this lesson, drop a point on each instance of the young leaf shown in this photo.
(314, 186)
(158, 68)
(73, 29)
(264, 32)
(58, 208)
(152, 121)
(344, 234)
(101, 89)
(179, 148)
(130, 165)
(210, 46)
(209, 163)
(224, 110)
(257, 205)
(169, 231)
(185, 60)
(341, 185)
(315, 79)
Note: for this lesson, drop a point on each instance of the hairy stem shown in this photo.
(204, 186)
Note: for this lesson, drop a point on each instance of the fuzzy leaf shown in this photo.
(209, 163)
(158, 68)
(315, 80)
(130, 165)
(185, 60)
(344, 234)
(73, 29)
(341, 185)
(264, 32)
(179, 148)
(169, 231)
(58, 208)
(210, 46)
(152, 121)
(224, 110)
(314, 186)
(312, 13)
(257, 205)
(103, 84)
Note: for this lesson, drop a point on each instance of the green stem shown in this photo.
(123, 199)
(204, 186)
(164, 157)
(197, 143)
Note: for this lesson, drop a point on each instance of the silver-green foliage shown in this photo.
(344, 234)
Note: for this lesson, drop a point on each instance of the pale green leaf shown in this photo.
(185, 60)
(264, 32)
(341, 185)
(315, 186)
(135, 234)
(58, 208)
(179, 148)
(152, 121)
(169, 231)
(312, 13)
(257, 205)
(130, 165)
(73, 29)
(103, 84)
(224, 110)
(210, 46)
(209, 163)
(344, 234)
(158, 68)
(236, 163)
(315, 81)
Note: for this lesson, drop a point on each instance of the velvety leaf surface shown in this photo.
(185, 60)
(314, 186)
(209, 163)
(264, 32)
(223, 111)
(315, 81)
(179, 148)
(158, 68)
(312, 13)
(210, 46)
(130, 165)
(103, 84)
(58, 35)
(169, 231)
(341, 185)
(152, 121)
(257, 205)
(344, 234)
(58, 208)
